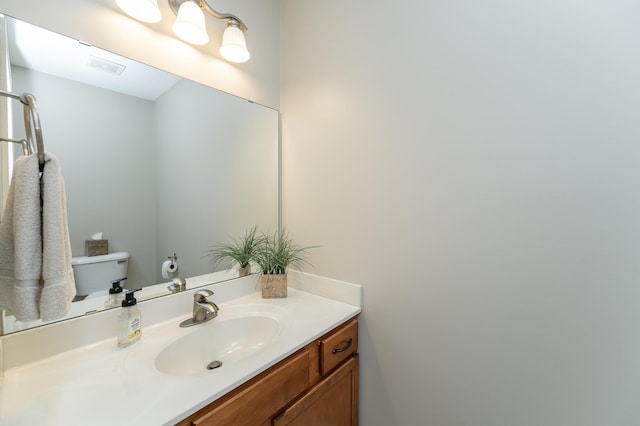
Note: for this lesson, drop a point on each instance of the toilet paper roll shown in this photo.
(169, 269)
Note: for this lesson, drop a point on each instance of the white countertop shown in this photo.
(101, 384)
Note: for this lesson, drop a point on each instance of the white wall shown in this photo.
(101, 23)
(476, 166)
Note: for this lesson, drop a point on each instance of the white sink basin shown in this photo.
(223, 340)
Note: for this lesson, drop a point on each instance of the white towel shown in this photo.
(59, 287)
(36, 277)
(21, 242)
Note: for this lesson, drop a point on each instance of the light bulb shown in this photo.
(189, 25)
(142, 10)
(234, 45)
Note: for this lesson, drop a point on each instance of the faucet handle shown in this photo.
(201, 295)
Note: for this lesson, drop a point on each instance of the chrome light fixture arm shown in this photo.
(175, 6)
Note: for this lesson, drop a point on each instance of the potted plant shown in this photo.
(273, 255)
(240, 250)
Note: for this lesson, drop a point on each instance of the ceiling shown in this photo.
(48, 52)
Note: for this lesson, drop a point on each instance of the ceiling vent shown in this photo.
(106, 66)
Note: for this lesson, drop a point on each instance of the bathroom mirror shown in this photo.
(156, 163)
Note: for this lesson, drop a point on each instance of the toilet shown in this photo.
(95, 273)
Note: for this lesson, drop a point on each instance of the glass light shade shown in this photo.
(189, 25)
(142, 10)
(234, 45)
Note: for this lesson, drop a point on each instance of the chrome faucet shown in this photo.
(178, 285)
(203, 309)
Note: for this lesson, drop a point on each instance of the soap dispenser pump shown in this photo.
(116, 296)
(129, 321)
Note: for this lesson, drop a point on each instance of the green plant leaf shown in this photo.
(274, 253)
(240, 250)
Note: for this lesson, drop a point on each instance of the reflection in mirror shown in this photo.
(158, 164)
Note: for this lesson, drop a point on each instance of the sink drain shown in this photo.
(214, 364)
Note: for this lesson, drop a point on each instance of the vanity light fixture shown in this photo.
(190, 24)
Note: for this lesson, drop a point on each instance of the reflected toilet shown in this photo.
(95, 273)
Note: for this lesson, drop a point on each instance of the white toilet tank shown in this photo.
(95, 273)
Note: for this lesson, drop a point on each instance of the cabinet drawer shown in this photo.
(338, 346)
(262, 399)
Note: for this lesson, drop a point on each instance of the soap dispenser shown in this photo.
(116, 296)
(129, 321)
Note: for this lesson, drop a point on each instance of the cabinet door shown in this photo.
(332, 402)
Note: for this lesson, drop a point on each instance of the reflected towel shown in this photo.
(21, 242)
(59, 286)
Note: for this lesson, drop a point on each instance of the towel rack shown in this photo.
(31, 125)
(23, 142)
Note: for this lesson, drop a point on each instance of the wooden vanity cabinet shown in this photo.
(316, 386)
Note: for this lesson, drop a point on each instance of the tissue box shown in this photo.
(97, 247)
